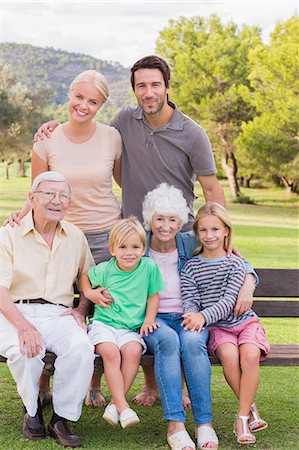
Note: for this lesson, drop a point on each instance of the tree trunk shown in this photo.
(247, 181)
(229, 165)
(291, 185)
(21, 169)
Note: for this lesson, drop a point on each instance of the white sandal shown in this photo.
(180, 440)
(245, 434)
(256, 420)
(204, 435)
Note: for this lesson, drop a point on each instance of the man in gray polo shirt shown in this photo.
(160, 144)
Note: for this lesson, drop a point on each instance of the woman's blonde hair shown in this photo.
(123, 229)
(94, 77)
(217, 210)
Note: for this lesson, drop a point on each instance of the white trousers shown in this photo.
(73, 365)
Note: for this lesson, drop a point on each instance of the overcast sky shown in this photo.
(122, 31)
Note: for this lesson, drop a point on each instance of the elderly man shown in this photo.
(39, 263)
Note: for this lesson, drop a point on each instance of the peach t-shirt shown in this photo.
(88, 167)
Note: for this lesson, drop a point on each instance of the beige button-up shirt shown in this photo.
(30, 269)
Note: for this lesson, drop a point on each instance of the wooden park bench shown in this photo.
(274, 284)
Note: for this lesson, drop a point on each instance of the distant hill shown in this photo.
(53, 70)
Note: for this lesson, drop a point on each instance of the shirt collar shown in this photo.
(28, 225)
(176, 122)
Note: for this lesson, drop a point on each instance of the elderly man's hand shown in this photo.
(30, 341)
(78, 316)
(100, 296)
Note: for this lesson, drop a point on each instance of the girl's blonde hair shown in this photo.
(94, 77)
(123, 229)
(217, 210)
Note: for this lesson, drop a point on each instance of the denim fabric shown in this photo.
(172, 345)
(186, 243)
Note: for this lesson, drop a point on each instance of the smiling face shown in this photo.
(164, 228)
(129, 252)
(150, 90)
(85, 101)
(50, 210)
(211, 233)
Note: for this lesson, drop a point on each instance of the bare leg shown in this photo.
(115, 381)
(130, 358)
(241, 371)
(150, 393)
(250, 376)
(94, 396)
(45, 394)
(228, 355)
(185, 398)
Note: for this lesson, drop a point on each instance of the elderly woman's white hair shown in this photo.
(49, 176)
(166, 200)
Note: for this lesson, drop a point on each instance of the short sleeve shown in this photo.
(156, 283)
(96, 275)
(6, 258)
(201, 154)
(41, 148)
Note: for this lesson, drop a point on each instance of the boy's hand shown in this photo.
(148, 326)
(193, 321)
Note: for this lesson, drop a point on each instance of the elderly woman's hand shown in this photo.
(193, 321)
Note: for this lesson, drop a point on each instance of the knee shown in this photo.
(110, 354)
(249, 360)
(193, 343)
(228, 355)
(83, 349)
(132, 351)
(164, 341)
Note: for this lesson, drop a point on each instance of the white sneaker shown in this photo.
(111, 414)
(128, 418)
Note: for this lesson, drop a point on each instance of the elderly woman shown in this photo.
(165, 211)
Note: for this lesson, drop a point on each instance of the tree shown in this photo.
(20, 113)
(209, 63)
(270, 140)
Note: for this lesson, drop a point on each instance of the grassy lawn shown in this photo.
(266, 233)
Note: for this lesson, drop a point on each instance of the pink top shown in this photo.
(170, 298)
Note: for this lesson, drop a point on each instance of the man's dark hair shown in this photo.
(151, 62)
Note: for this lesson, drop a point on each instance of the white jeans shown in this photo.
(73, 365)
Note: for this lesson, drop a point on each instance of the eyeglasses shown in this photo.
(50, 195)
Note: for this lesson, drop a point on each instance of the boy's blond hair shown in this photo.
(123, 229)
(217, 210)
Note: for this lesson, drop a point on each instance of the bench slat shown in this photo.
(280, 355)
(277, 283)
(276, 308)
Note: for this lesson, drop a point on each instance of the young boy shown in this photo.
(134, 283)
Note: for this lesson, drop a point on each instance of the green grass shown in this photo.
(266, 233)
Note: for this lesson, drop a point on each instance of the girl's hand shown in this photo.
(148, 326)
(193, 321)
(14, 218)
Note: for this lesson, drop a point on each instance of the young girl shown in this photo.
(134, 283)
(210, 283)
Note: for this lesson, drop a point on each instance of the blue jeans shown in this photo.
(171, 346)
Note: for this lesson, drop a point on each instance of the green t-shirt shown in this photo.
(129, 290)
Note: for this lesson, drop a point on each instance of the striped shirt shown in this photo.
(211, 286)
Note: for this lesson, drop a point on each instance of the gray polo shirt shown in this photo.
(173, 154)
